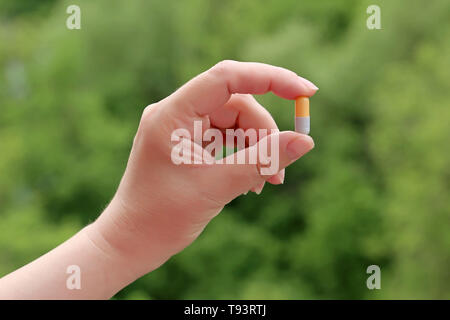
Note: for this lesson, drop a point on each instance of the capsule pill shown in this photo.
(302, 115)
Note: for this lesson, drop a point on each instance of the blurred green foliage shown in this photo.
(375, 190)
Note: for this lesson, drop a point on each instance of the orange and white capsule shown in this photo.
(302, 115)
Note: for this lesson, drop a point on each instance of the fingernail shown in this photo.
(299, 146)
(309, 84)
(245, 193)
(280, 176)
(258, 189)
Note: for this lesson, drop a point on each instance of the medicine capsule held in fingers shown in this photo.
(302, 115)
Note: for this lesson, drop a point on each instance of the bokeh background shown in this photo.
(375, 190)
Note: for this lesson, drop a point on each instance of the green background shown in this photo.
(375, 190)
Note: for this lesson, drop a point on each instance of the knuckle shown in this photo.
(148, 111)
(147, 121)
(256, 173)
(244, 98)
(289, 72)
(249, 175)
(222, 67)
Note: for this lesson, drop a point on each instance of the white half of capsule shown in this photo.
(302, 125)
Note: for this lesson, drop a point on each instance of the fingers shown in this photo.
(213, 88)
(278, 178)
(243, 111)
(232, 180)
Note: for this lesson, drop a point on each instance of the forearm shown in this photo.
(102, 272)
(108, 254)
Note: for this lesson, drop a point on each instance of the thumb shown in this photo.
(262, 160)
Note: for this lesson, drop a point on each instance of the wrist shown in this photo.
(117, 234)
(117, 271)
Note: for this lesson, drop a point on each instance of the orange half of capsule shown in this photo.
(302, 107)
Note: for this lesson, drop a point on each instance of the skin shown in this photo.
(159, 207)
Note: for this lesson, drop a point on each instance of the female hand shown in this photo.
(161, 207)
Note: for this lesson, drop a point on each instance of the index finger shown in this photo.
(212, 88)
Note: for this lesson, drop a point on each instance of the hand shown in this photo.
(161, 207)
